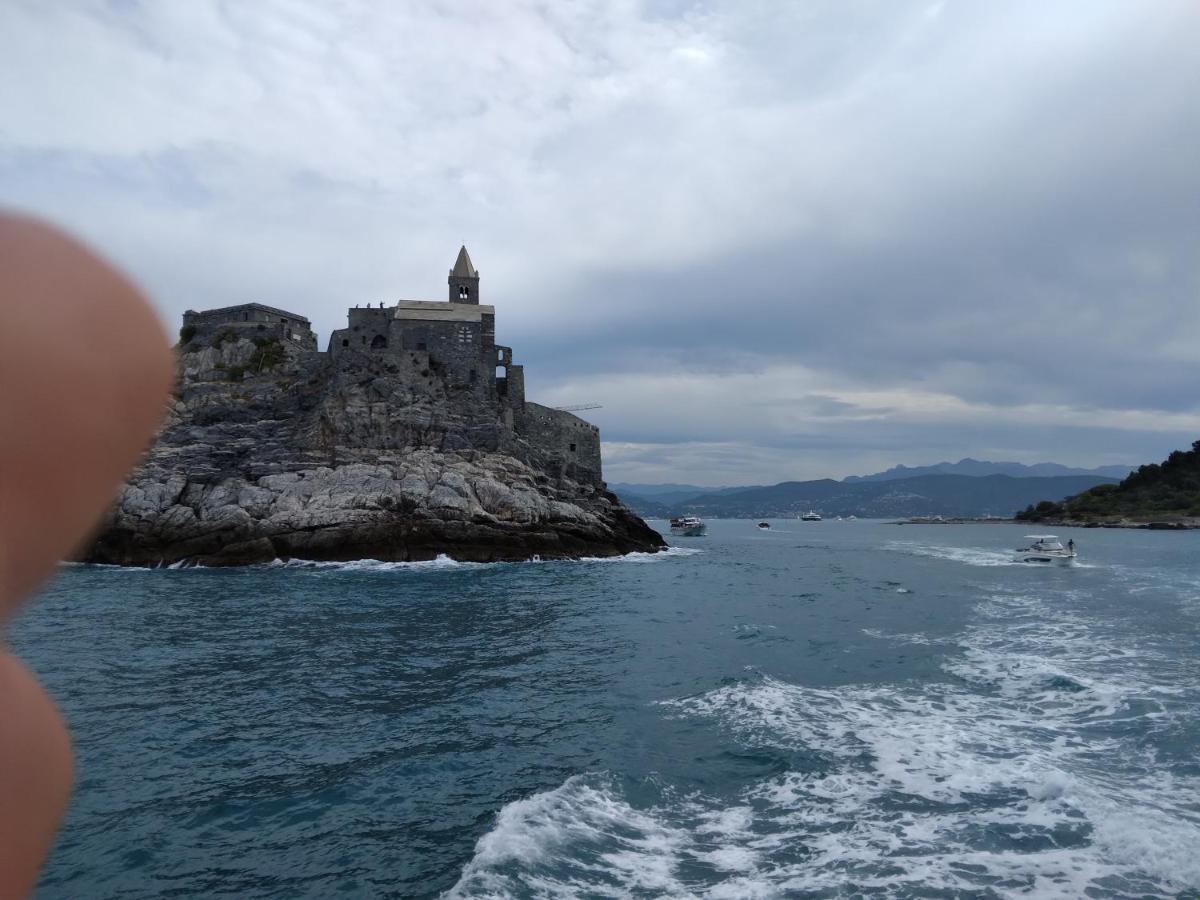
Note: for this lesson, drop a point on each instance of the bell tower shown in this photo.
(464, 280)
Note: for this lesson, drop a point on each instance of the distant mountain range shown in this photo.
(980, 467)
(925, 495)
(667, 495)
(873, 496)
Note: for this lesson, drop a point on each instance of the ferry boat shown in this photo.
(1046, 548)
(688, 526)
(810, 516)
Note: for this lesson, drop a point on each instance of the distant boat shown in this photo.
(688, 526)
(764, 525)
(1046, 548)
(810, 516)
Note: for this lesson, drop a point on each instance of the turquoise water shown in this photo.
(821, 710)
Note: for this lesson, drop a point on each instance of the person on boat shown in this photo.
(1071, 545)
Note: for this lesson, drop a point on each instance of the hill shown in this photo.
(1169, 490)
(979, 467)
(657, 501)
(924, 496)
(928, 495)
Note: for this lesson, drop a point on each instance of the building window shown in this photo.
(474, 376)
(379, 342)
(464, 293)
(421, 345)
(572, 448)
(283, 321)
(464, 335)
(245, 317)
(345, 342)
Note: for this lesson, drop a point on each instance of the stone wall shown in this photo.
(422, 374)
(248, 321)
(572, 444)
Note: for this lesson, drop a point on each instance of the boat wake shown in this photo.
(1024, 771)
(971, 556)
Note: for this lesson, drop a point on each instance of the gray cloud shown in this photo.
(816, 239)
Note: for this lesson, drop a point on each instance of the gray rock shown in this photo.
(323, 460)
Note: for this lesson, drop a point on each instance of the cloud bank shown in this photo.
(774, 241)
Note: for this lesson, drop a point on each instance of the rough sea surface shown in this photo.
(829, 709)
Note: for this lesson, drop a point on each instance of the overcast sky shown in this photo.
(775, 241)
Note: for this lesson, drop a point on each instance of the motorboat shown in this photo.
(810, 516)
(688, 526)
(1046, 548)
(765, 526)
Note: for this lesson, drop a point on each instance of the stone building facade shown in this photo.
(250, 320)
(452, 343)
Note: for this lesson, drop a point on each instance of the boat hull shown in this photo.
(1046, 559)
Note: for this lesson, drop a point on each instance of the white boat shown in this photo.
(688, 526)
(765, 526)
(810, 516)
(1046, 548)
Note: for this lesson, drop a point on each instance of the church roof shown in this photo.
(441, 311)
(462, 265)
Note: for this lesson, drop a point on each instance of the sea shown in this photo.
(824, 709)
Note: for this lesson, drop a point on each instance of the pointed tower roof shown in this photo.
(462, 265)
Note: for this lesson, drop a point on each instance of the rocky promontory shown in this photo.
(272, 450)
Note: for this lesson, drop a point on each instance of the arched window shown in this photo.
(464, 335)
(378, 342)
(464, 292)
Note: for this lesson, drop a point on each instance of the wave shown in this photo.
(441, 563)
(640, 557)
(581, 837)
(1024, 771)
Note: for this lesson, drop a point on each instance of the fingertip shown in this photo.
(37, 771)
(85, 369)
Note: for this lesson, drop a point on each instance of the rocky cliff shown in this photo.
(272, 451)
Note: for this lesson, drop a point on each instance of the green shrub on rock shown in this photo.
(267, 355)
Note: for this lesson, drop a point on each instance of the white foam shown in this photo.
(440, 563)
(580, 836)
(971, 556)
(1011, 777)
(1023, 744)
(640, 557)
